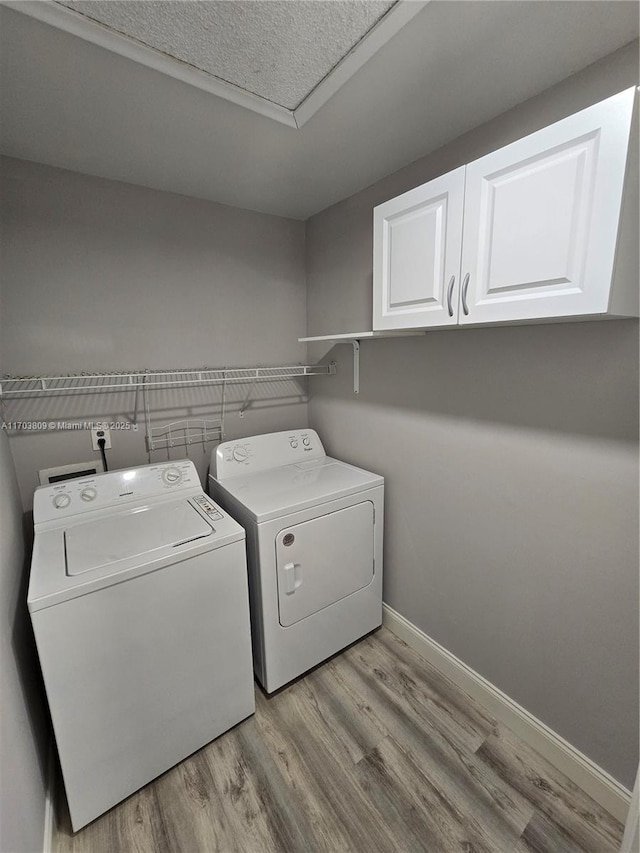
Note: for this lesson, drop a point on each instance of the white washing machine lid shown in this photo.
(134, 533)
(279, 491)
(77, 557)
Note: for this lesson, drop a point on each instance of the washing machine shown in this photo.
(314, 547)
(139, 603)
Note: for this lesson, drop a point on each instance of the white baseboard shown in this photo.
(595, 781)
(631, 840)
(49, 803)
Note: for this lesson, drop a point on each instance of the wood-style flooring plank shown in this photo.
(414, 804)
(552, 794)
(454, 771)
(317, 766)
(350, 722)
(458, 713)
(454, 716)
(136, 825)
(195, 811)
(265, 815)
(543, 836)
(410, 823)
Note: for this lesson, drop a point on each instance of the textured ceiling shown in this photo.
(279, 50)
(68, 102)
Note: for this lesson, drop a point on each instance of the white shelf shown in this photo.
(354, 339)
(347, 337)
(182, 432)
(14, 386)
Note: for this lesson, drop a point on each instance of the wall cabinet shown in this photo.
(417, 246)
(527, 233)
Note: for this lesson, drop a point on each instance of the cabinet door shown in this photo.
(541, 219)
(417, 241)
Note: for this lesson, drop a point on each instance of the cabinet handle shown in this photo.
(450, 294)
(465, 288)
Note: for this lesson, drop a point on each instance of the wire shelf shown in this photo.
(19, 386)
(177, 433)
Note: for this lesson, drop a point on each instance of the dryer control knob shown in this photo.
(240, 453)
(171, 476)
(88, 494)
(61, 501)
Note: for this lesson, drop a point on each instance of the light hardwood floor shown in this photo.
(373, 752)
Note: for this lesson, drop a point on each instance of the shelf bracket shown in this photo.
(356, 366)
(354, 339)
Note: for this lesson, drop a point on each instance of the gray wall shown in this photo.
(22, 727)
(510, 457)
(102, 276)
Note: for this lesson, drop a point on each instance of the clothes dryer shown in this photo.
(314, 547)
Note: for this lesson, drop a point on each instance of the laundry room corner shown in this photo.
(104, 276)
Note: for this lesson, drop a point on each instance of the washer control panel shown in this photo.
(208, 506)
(113, 488)
(261, 452)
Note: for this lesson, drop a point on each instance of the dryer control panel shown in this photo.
(261, 452)
(113, 488)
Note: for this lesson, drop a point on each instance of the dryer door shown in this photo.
(323, 560)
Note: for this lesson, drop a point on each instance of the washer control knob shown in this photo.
(293, 442)
(62, 500)
(306, 441)
(240, 453)
(88, 494)
(171, 476)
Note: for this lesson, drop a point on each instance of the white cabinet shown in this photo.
(541, 219)
(417, 244)
(541, 226)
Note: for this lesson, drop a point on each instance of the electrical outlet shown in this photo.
(97, 434)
